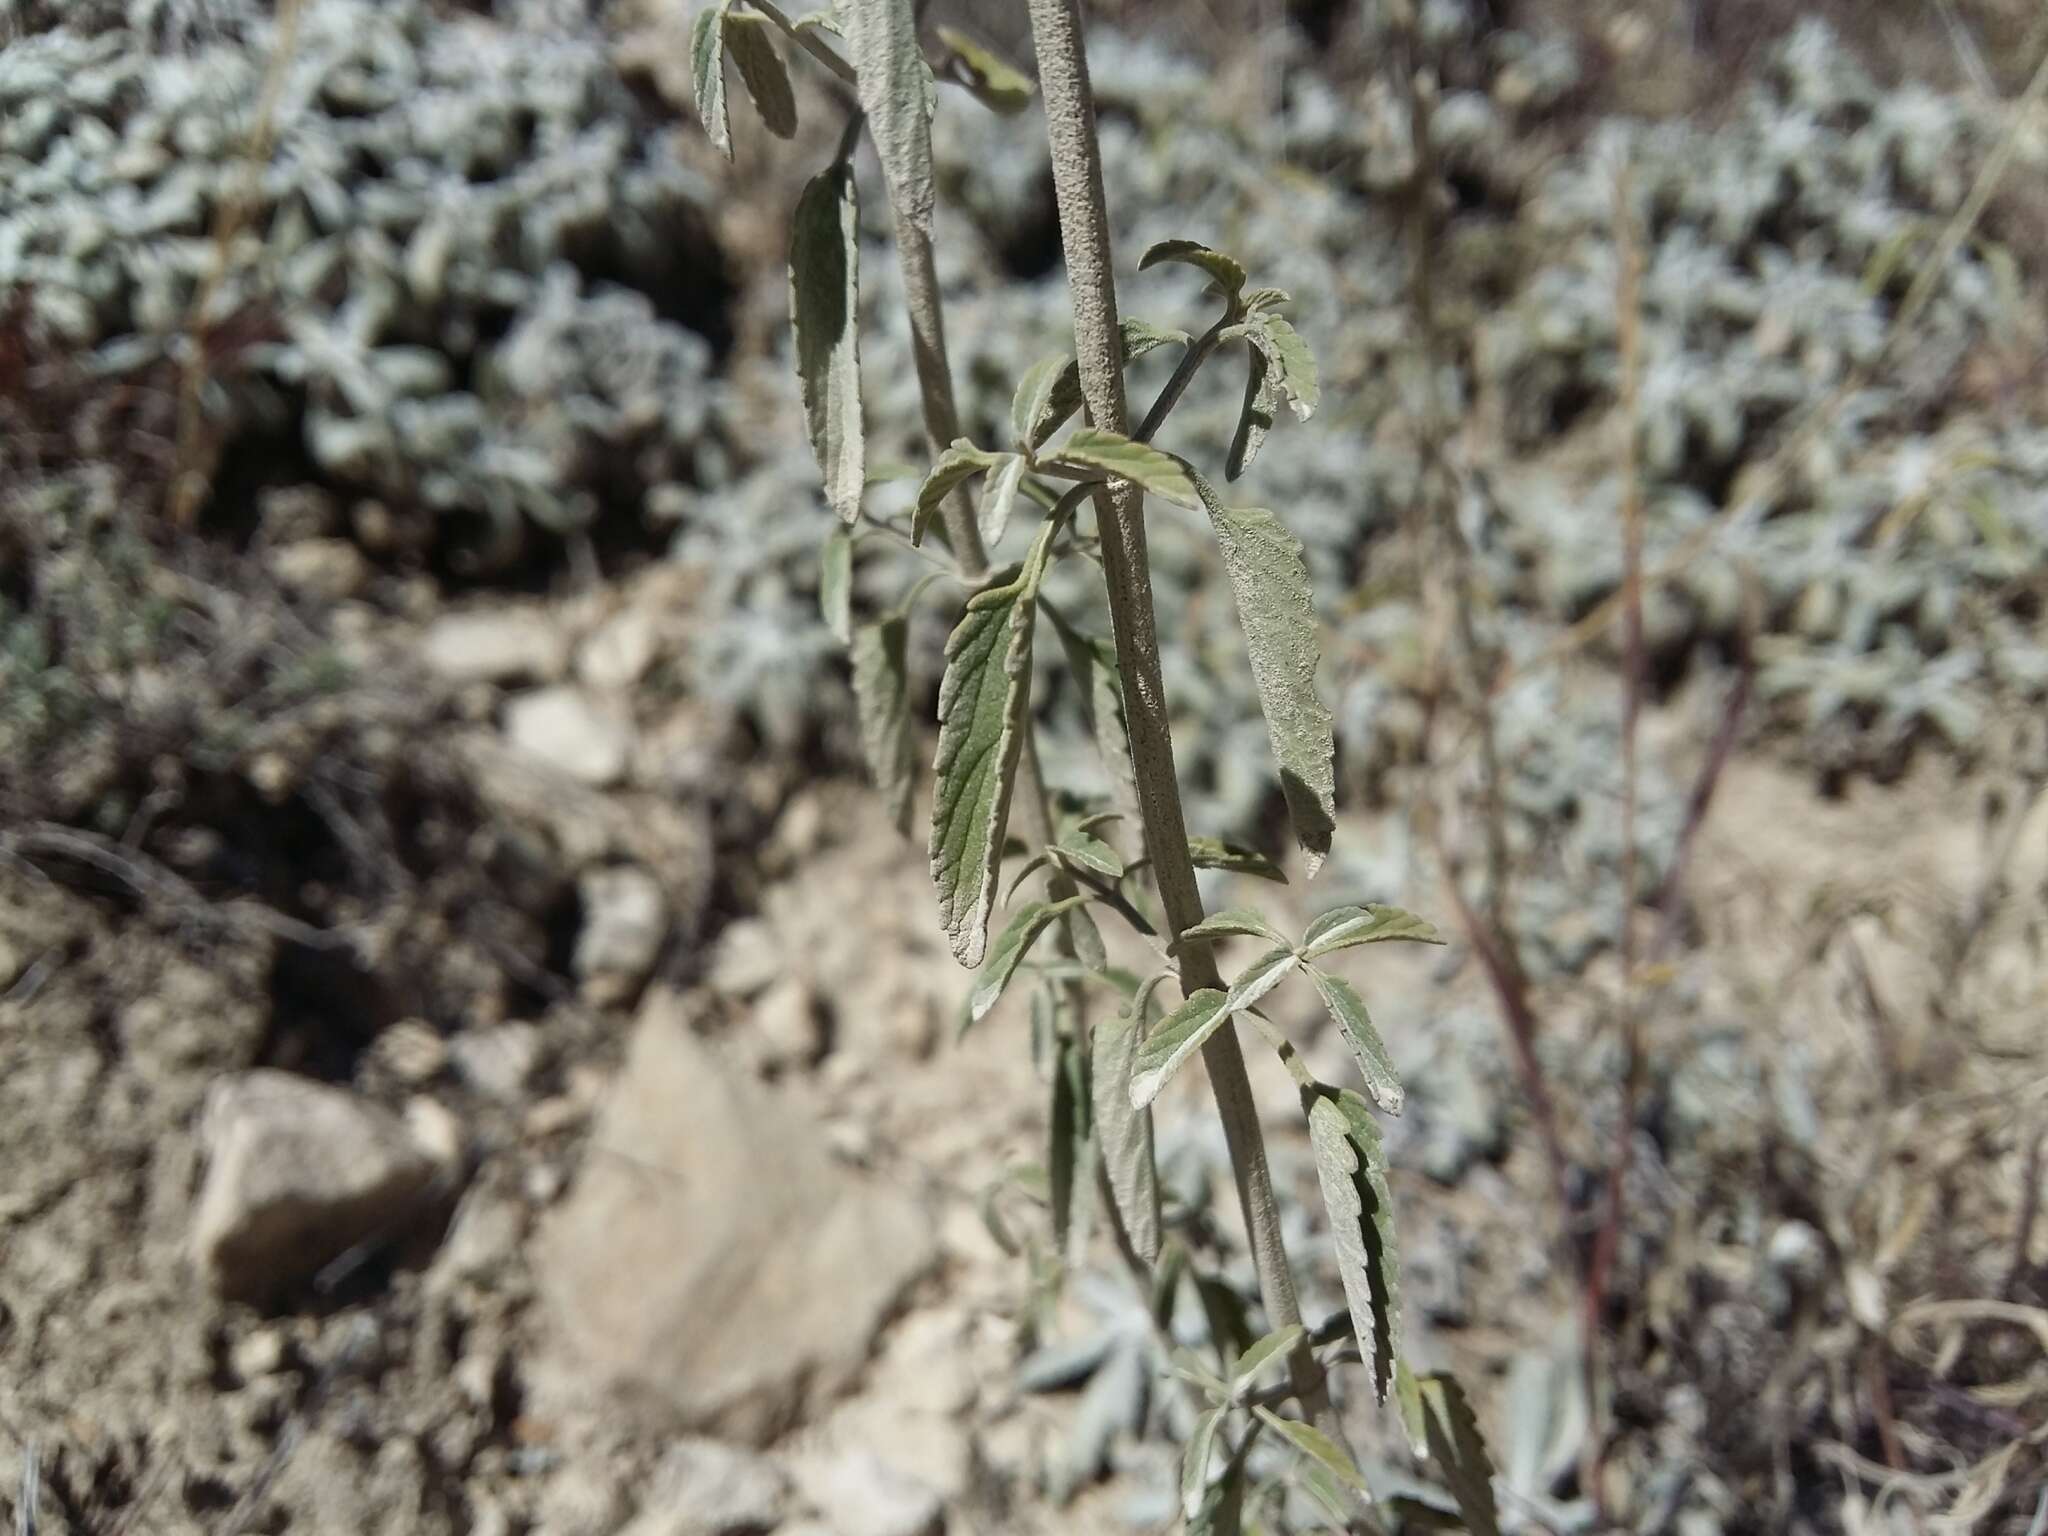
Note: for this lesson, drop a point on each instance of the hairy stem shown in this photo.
(1084, 225)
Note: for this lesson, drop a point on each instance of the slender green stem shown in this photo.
(1183, 375)
(1084, 225)
(806, 38)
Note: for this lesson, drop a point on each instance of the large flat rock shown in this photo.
(712, 1266)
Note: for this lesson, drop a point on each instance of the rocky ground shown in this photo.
(473, 1056)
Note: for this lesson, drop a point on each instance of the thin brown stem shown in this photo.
(1084, 225)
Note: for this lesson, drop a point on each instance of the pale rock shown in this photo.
(714, 1269)
(788, 1028)
(709, 1488)
(413, 1051)
(258, 1354)
(862, 1495)
(567, 731)
(330, 569)
(297, 1173)
(749, 958)
(496, 645)
(625, 921)
(618, 654)
(498, 1061)
(579, 1500)
(482, 1240)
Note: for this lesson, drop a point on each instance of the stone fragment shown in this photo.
(565, 730)
(297, 1173)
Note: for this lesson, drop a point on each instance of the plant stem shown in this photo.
(1084, 225)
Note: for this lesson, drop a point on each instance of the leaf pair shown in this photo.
(1189, 1027)
(718, 32)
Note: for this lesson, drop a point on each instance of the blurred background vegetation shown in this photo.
(410, 671)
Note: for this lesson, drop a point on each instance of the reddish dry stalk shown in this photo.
(1607, 1239)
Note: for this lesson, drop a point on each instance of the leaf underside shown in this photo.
(835, 583)
(1255, 417)
(894, 86)
(824, 312)
(959, 463)
(1275, 608)
(1125, 1133)
(881, 694)
(1351, 1167)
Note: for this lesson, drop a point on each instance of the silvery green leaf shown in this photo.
(825, 19)
(1276, 610)
(894, 83)
(1031, 867)
(1178, 1036)
(1071, 1132)
(1194, 1467)
(1351, 1167)
(1293, 366)
(1255, 417)
(959, 463)
(1056, 1367)
(984, 700)
(1374, 1064)
(835, 583)
(1233, 858)
(998, 495)
(1261, 977)
(1248, 921)
(1187, 1365)
(1457, 1448)
(1408, 1397)
(1062, 396)
(1318, 1447)
(996, 84)
(1265, 298)
(762, 71)
(1187, 1028)
(1092, 454)
(1274, 1346)
(824, 312)
(1113, 1404)
(1329, 1495)
(881, 692)
(1085, 851)
(1011, 946)
(1125, 1133)
(1225, 272)
(1222, 1508)
(1035, 393)
(707, 74)
(1347, 927)
(1086, 939)
(1093, 663)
